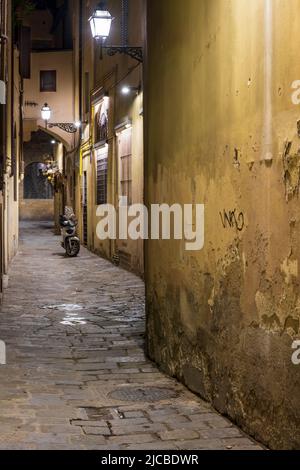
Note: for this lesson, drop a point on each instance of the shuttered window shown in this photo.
(2, 18)
(102, 167)
(125, 164)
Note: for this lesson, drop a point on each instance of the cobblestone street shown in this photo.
(76, 374)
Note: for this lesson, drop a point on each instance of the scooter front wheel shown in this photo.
(72, 248)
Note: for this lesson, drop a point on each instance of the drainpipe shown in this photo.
(81, 60)
(124, 22)
(12, 102)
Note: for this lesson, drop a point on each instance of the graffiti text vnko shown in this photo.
(231, 219)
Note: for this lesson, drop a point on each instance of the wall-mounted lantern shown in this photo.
(69, 127)
(100, 23)
(46, 114)
(127, 90)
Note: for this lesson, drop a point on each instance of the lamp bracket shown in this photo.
(68, 127)
(135, 52)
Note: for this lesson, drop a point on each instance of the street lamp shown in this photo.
(69, 127)
(46, 113)
(100, 23)
(126, 90)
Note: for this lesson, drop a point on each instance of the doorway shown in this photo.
(85, 209)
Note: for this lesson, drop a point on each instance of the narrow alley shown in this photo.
(76, 374)
(149, 227)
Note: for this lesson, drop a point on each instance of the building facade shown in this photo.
(50, 82)
(110, 161)
(12, 71)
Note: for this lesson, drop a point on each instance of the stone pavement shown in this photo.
(76, 374)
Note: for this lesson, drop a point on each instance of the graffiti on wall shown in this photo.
(233, 219)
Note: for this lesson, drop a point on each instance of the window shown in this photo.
(3, 20)
(102, 166)
(85, 207)
(125, 165)
(48, 81)
(101, 123)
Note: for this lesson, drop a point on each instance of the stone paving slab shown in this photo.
(76, 374)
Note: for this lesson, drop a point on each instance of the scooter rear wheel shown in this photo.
(72, 248)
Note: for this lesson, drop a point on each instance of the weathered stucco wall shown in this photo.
(37, 209)
(61, 102)
(222, 130)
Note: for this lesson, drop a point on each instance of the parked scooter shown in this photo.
(70, 241)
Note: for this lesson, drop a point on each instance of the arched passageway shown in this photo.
(36, 186)
(36, 192)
